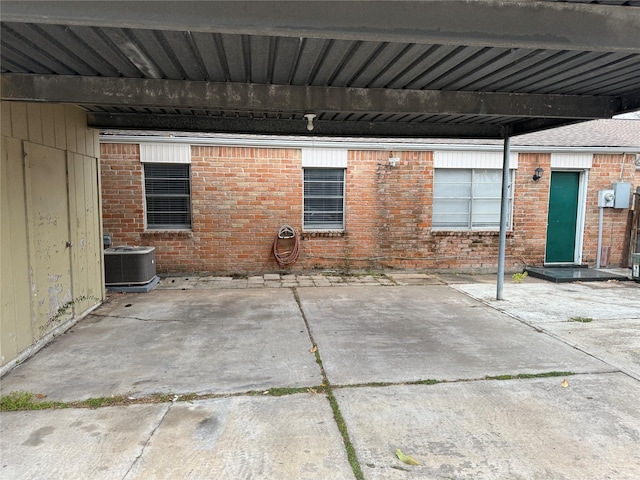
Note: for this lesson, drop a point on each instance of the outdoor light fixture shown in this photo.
(310, 117)
(538, 175)
(393, 161)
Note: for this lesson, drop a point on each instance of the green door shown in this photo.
(563, 217)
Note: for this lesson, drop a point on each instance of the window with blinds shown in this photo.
(468, 199)
(324, 198)
(168, 195)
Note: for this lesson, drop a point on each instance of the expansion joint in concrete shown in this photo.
(333, 402)
(144, 447)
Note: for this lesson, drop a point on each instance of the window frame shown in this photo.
(474, 199)
(167, 226)
(330, 227)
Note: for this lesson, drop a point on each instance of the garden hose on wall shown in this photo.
(290, 253)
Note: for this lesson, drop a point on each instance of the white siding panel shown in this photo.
(165, 153)
(571, 160)
(471, 159)
(324, 157)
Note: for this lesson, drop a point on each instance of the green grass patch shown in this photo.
(16, 401)
(342, 427)
(530, 375)
(282, 391)
(20, 400)
(581, 319)
(429, 381)
(337, 415)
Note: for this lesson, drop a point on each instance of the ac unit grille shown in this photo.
(129, 265)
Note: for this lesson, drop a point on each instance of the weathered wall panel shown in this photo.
(60, 127)
(5, 121)
(86, 234)
(50, 196)
(48, 212)
(15, 295)
(19, 125)
(48, 125)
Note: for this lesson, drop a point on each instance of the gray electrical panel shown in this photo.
(622, 192)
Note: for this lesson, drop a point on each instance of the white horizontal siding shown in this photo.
(324, 157)
(571, 160)
(165, 153)
(471, 159)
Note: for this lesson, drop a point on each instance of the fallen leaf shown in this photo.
(564, 383)
(40, 395)
(313, 349)
(409, 460)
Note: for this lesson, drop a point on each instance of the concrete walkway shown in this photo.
(271, 381)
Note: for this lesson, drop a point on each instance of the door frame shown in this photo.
(583, 182)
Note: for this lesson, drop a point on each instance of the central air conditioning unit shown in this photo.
(129, 265)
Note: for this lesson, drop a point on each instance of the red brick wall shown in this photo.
(531, 200)
(122, 193)
(241, 196)
(237, 205)
(606, 170)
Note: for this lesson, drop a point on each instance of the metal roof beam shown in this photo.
(246, 97)
(263, 126)
(499, 23)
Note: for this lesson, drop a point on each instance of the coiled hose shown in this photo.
(287, 257)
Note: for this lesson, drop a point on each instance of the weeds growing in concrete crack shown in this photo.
(530, 375)
(63, 310)
(581, 319)
(328, 390)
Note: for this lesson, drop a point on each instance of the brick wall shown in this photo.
(528, 240)
(241, 196)
(606, 170)
(122, 193)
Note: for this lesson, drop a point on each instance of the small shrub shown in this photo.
(519, 277)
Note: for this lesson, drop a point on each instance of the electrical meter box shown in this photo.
(622, 193)
(606, 198)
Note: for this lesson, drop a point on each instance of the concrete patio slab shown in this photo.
(240, 343)
(75, 443)
(278, 438)
(183, 283)
(516, 429)
(193, 341)
(399, 334)
(414, 279)
(617, 342)
(491, 279)
(609, 312)
(275, 438)
(546, 302)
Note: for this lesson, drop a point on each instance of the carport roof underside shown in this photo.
(463, 69)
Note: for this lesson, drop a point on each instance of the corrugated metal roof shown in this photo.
(334, 60)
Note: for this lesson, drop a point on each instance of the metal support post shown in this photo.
(504, 211)
(600, 221)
